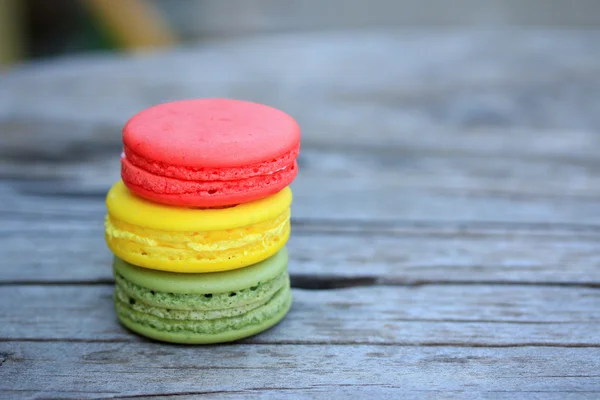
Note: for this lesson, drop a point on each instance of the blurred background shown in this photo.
(36, 29)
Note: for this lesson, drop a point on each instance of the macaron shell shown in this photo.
(123, 205)
(221, 282)
(211, 133)
(182, 193)
(228, 330)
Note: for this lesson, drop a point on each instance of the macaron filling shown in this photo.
(201, 174)
(163, 248)
(272, 309)
(214, 192)
(175, 305)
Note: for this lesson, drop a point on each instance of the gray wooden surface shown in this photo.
(446, 230)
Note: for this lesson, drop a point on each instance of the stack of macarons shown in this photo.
(199, 222)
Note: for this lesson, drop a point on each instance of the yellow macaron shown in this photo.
(193, 240)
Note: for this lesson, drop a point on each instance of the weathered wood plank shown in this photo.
(475, 162)
(412, 80)
(378, 200)
(106, 370)
(371, 391)
(373, 185)
(477, 143)
(480, 142)
(462, 315)
(375, 201)
(72, 250)
(473, 174)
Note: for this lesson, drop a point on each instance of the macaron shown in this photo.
(202, 308)
(192, 240)
(209, 152)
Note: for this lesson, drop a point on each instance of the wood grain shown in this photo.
(397, 136)
(108, 370)
(446, 219)
(367, 185)
(461, 315)
(72, 250)
(403, 82)
(504, 175)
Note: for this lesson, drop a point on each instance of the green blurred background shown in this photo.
(34, 29)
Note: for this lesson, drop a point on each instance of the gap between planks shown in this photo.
(319, 259)
(350, 227)
(434, 315)
(320, 282)
(258, 342)
(78, 369)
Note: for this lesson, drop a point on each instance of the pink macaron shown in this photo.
(209, 152)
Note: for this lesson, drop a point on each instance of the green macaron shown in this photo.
(202, 308)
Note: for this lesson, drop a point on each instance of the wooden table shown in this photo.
(446, 230)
